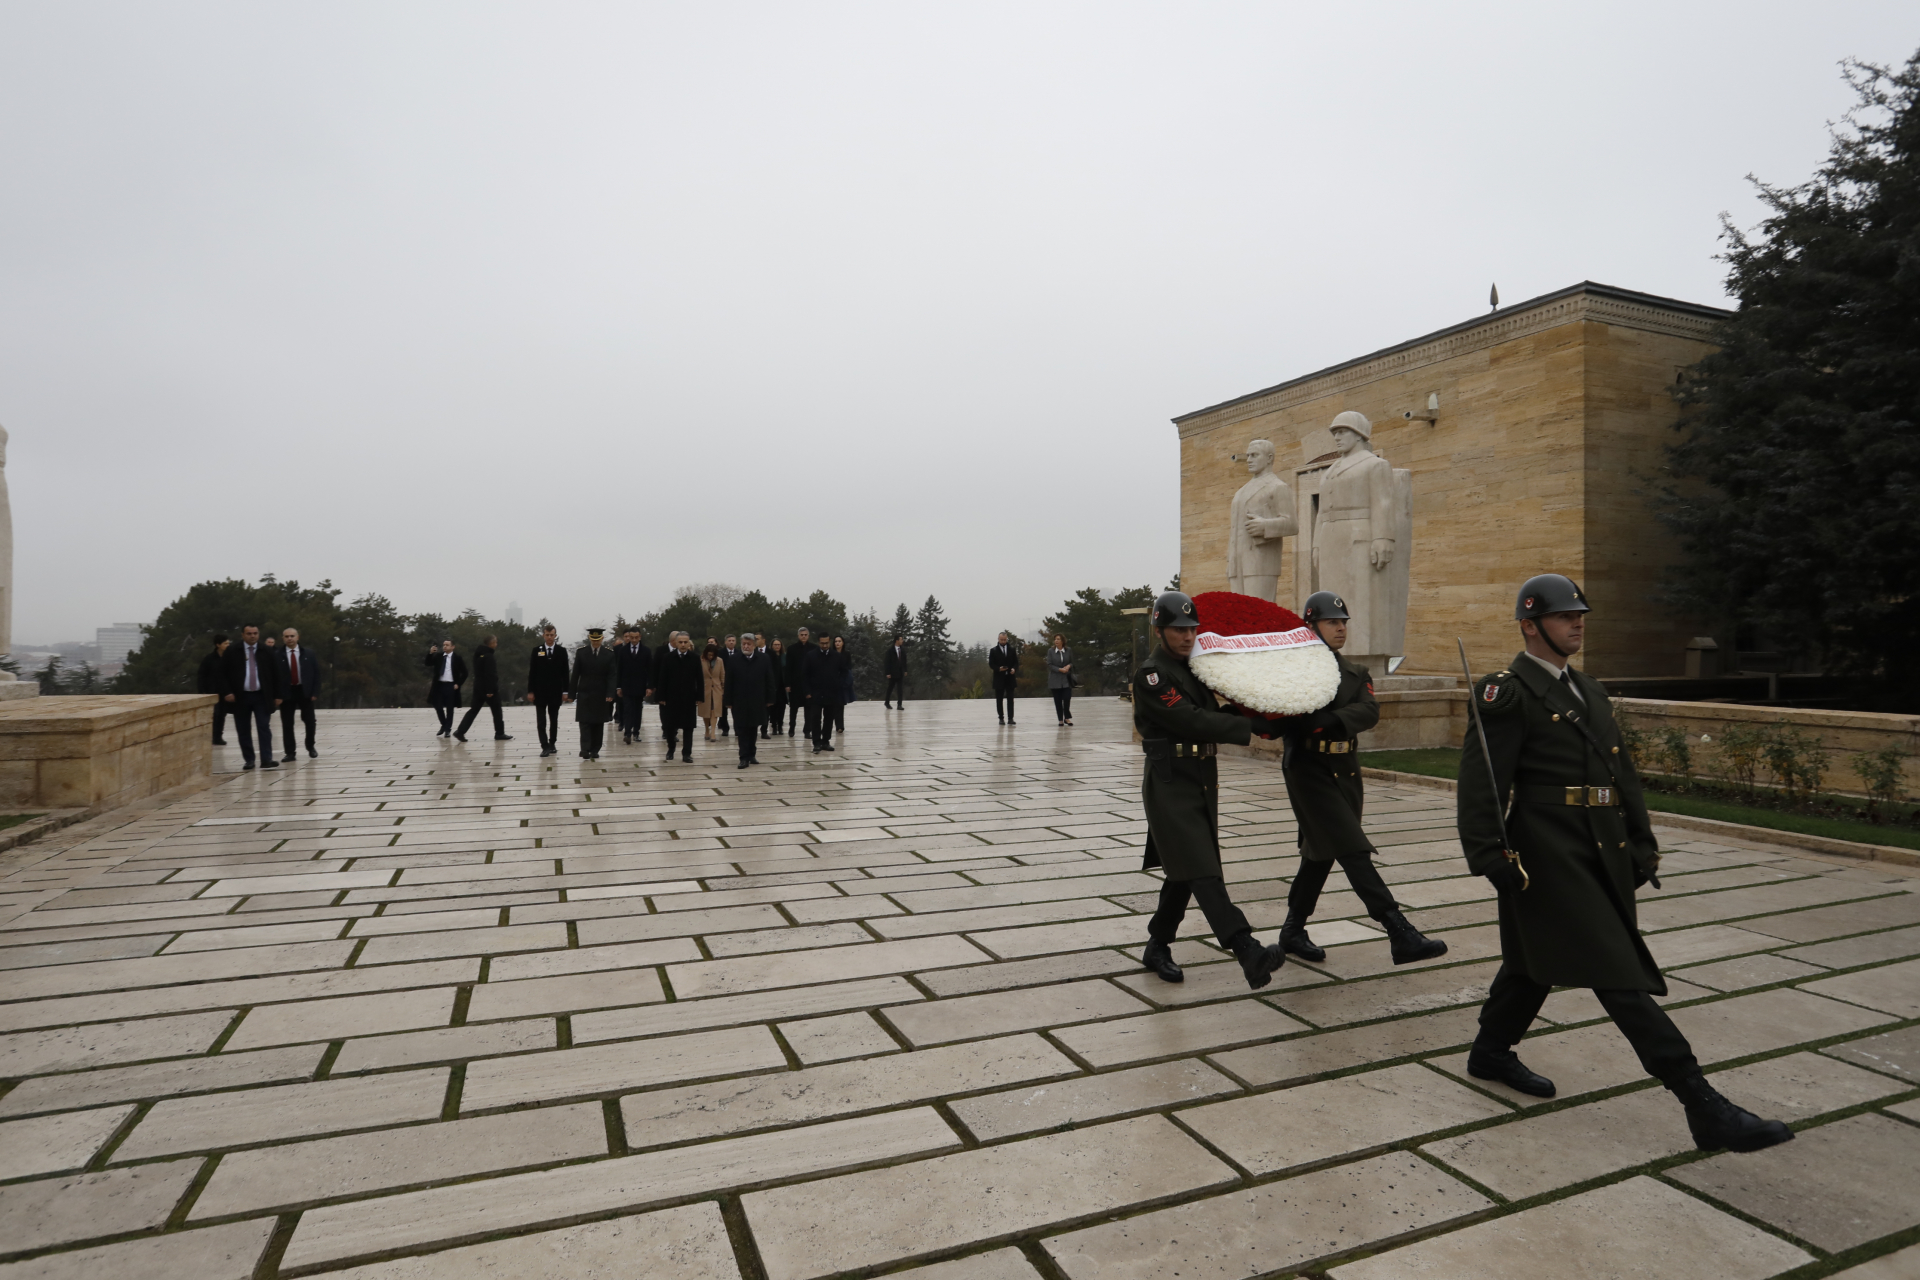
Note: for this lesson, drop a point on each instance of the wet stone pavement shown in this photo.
(419, 1009)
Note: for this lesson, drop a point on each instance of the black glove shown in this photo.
(1505, 878)
(1647, 874)
(1324, 720)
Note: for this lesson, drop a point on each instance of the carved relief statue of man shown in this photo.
(1356, 540)
(1261, 520)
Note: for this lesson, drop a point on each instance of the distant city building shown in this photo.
(514, 615)
(117, 641)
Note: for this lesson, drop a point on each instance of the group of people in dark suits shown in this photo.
(254, 678)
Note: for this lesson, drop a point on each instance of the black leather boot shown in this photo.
(1158, 958)
(1504, 1065)
(1256, 961)
(1717, 1123)
(1294, 940)
(1408, 943)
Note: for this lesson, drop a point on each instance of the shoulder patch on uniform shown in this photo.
(1153, 677)
(1497, 694)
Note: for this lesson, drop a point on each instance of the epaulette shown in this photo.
(1497, 694)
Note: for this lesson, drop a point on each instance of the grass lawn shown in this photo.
(15, 819)
(1444, 762)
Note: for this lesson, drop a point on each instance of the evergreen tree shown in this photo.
(1795, 485)
(1100, 636)
(932, 643)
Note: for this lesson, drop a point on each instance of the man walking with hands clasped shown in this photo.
(547, 683)
(1573, 846)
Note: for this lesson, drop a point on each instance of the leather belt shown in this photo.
(1585, 797)
(1197, 750)
(1340, 748)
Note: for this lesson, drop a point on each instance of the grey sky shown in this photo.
(571, 304)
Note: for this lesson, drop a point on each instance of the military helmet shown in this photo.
(1546, 593)
(1324, 606)
(1175, 609)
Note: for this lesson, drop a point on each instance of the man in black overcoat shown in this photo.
(1180, 724)
(1003, 660)
(548, 682)
(1574, 847)
(486, 691)
(636, 681)
(209, 682)
(800, 707)
(752, 686)
(894, 668)
(680, 685)
(596, 687)
(1321, 764)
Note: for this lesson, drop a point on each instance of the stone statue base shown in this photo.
(13, 687)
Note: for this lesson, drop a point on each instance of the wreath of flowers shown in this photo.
(1289, 672)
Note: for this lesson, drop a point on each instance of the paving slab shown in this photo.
(1671, 1234)
(611, 1068)
(1079, 1100)
(28, 1053)
(87, 1206)
(949, 1202)
(664, 1116)
(996, 1264)
(1893, 988)
(686, 1243)
(227, 1252)
(973, 1017)
(1901, 1265)
(1276, 1227)
(331, 1168)
(564, 993)
(161, 1079)
(837, 1037)
(1303, 1057)
(445, 1044)
(56, 1143)
(1897, 1053)
(453, 1214)
(216, 1121)
(1812, 1188)
(342, 1016)
(1269, 1132)
(1177, 1031)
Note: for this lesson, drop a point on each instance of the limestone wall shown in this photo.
(69, 753)
(1550, 422)
(1845, 734)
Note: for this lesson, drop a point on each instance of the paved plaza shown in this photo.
(425, 1010)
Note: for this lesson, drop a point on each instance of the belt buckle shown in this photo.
(1602, 796)
(1576, 795)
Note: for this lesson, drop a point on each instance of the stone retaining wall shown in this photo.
(88, 752)
(1845, 734)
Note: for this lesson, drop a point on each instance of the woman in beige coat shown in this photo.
(714, 668)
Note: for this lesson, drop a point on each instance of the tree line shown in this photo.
(372, 653)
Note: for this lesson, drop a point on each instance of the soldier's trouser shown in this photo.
(1225, 919)
(1514, 1000)
(1372, 891)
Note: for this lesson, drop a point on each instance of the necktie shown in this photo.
(293, 660)
(253, 672)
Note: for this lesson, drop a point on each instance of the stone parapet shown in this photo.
(98, 752)
(1845, 734)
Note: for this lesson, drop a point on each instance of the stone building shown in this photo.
(1542, 452)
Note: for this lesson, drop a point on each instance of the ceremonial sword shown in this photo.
(1499, 801)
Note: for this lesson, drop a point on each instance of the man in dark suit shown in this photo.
(486, 692)
(752, 685)
(729, 650)
(300, 677)
(824, 695)
(636, 681)
(681, 686)
(895, 670)
(803, 708)
(596, 686)
(209, 682)
(1004, 661)
(547, 684)
(250, 684)
(446, 672)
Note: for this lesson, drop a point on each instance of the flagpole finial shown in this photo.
(1493, 298)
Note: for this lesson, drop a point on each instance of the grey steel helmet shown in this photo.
(1324, 606)
(1175, 609)
(1546, 593)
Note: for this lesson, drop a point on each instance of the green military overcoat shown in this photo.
(1576, 924)
(596, 675)
(1181, 793)
(1323, 787)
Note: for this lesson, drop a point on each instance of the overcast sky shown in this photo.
(571, 304)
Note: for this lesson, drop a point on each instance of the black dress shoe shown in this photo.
(269, 764)
(1256, 961)
(219, 742)
(1295, 942)
(312, 754)
(1506, 1068)
(743, 764)
(1408, 943)
(246, 767)
(1716, 1123)
(461, 737)
(1158, 959)
(503, 737)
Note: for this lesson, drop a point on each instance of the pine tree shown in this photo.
(933, 644)
(1795, 486)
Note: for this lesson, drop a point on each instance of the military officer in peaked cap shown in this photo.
(1577, 845)
(1322, 769)
(1180, 724)
(596, 684)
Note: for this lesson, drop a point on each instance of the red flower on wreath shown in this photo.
(1228, 613)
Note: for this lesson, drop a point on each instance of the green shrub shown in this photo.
(1884, 772)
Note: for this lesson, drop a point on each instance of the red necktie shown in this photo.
(293, 659)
